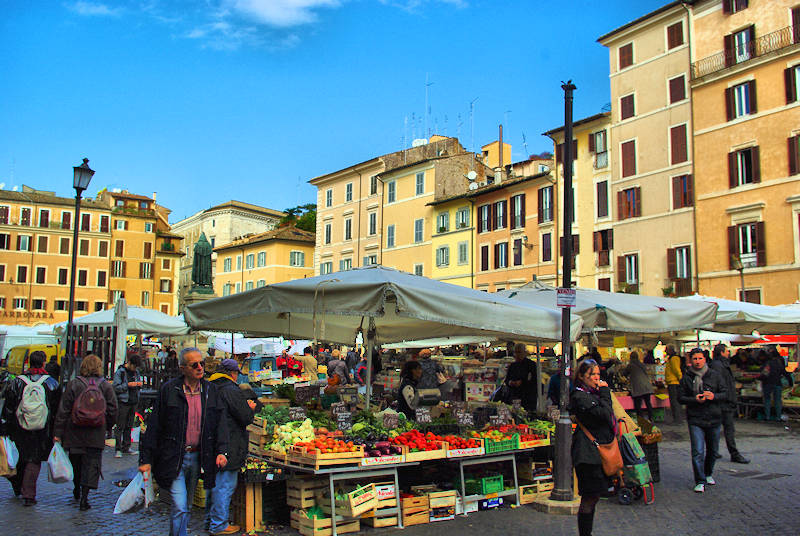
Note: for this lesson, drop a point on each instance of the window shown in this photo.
(329, 197)
(213, 223)
(20, 303)
(484, 258)
(370, 260)
(61, 305)
(483, 218)
(677, 89)
(5, 240)
(345, 264)
(518, 211)
(682, 192)
(625, 56)
(674, 35)
(116, 295)
(42, 244)
(348, 229)
(238, 263)
(391, 194)
(66, 220)
(602, 243)
(4, 210)
(226, 289)
(23, 243)
(560, 151)
(348, 192)
(744, 167)
(602, 199)
(733, 6)
(327, 233)
(677, 139)
(629, 203)
(746, 242)
(250, 261)
(99, 306)
(2, 274)
(740, 100)
(84, 248)
(148, 250)
(390, 236)
(501, 255)
(628, 269)
(517, 252)
(628, 158)
(372, 224)
(41, 275)
(145, 270)
(120, 203)
(83, 275)
(101, 278)
(165, 264)
(791, 76)
(547, 247)
(165, 285)
(248, 285)
(261, 283)
(104, 224)
(373, 185)
(39, 305)
(63, 246)
(119, 248)
(148, 227)
(679, 265)
(599, 146)
(462, 218)
(119, 225)
(226, 265)
(118, 268)
(418, 230)
(262, 259)
(604, 283)
(44, 218)
(443, 222)
(545, 204)
(25, 216)
(86, 220)
(443, 256)
(576, 247)
(739, 46)
(297, 258)
(62, 276)
(102, 248)
(145, 298)
(463, 252)
(418, 269)
(750, 295)
(419, 183)
(794, 155)
(325, 268)
(626, 107)
(22, 274)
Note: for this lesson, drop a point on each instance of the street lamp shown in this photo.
(80, 181)
(736, 262)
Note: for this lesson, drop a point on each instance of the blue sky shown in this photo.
(205, 101)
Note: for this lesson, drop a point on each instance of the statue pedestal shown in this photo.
(199, 294)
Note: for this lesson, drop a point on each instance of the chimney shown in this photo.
(500, 165)
(498, 175)
(154, 197)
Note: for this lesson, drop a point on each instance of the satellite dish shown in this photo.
(15, 188)
(472, 175)
(473, 186)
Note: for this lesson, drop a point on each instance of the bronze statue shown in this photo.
(201, 266)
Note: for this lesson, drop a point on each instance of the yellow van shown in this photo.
(16, 360)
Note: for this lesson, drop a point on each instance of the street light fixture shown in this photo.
(736, 262)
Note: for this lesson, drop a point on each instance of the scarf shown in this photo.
(34, 371)
(697, 381)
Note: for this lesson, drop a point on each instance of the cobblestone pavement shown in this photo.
(760, 498)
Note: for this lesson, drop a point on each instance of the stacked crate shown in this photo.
(415, 510)
(300, 494)
(385, 513)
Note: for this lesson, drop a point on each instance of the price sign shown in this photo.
(496, 420)
(504, 414)
(390, 421)
(566, 297)
(423, 415)
(458, 406)
(344, 421)
(338, 407)
(305, 394)
(553, 413)
(464, 418)
(297, 414)
(348, 395)
(516, 404)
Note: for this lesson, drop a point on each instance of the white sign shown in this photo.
(565, 297)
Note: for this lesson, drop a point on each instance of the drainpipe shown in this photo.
(474, 240)
(555, 244)
(358, 239)
(694, 154)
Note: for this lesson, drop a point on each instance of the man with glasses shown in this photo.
(184, 435)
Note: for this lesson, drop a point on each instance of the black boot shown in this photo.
(84, 499)
(76, 492)
(585, 522)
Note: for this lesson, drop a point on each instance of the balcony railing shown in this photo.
(765, 44)
(601, 160)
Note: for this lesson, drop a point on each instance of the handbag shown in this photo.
(610, 455)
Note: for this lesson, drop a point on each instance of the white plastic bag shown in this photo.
(59, 468)
(149, 492)
(12, 454)
(131, 496)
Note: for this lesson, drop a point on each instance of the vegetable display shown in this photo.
(289, 434)
(416, 441)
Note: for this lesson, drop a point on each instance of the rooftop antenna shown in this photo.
(445, 125)
(427, 106)
(458, 128)
(525, 143)
(472, 126)
(413, 126)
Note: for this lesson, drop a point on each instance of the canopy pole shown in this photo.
(232, 348)
(797, 343)
(539, 392)
(370, 347)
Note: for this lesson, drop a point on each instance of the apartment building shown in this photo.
(745, 83)
(257, 260)
(453, 258)
(36, 229)
(651, 181)
(592, 225)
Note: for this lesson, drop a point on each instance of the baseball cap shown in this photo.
(230, 365)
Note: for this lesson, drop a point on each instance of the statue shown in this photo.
(201, 266)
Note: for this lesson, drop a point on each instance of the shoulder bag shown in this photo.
(609, 453)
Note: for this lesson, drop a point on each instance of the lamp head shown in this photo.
(82, 176)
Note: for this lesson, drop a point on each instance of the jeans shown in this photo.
(705, 444)
(182, 492)
(674, 404)
(218, 500)
(772, 397)
(728, 415)
(122, 433)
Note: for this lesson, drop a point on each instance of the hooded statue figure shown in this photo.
(201, 266)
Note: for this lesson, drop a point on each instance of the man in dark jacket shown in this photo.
(771, 374)
(702, 390)
(238, 412)
(721, 363)
(351, 359)
(185, 433)
(127, 383)
(33, 445)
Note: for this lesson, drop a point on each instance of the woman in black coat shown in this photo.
(590, 405)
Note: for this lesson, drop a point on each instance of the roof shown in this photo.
(642, 19)
(47, 199)
(508, 182)
(287, 234)
(128, 195)
(320, 178)
(579, 122)
(167, 234)
(246, 206)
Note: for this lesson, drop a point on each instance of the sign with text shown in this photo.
(348, 395)
(306, 394)
(504, 413)
(338, 407)
(516, 404)
(297, 414)
(496, 420)
(465, 418)
(566, 297)
(344, 421)
(391, 421)
(423, 415)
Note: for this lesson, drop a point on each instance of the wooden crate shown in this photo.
(294, 518)
(426, 454)
(441, 499)
(313, 458)
(300, 499)
(418, 518)
(300, 491)
(415, 504)
(381, 521)
(359, 501)
(322, 526)
(247, 508)
(530, 491)
(277, 402)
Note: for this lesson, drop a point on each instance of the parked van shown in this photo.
(16, 360)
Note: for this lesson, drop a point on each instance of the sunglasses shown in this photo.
(197, 364)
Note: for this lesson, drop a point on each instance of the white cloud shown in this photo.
(281, 13)
(414, 5)
(94, 9)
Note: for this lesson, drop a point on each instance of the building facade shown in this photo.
(453, 258)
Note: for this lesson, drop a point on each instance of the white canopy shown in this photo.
(245, 345)
(622, 313)
(333, 307)
(439, 341)
(139, 320)
(743, 317)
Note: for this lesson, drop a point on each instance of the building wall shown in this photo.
(455, 271)
(277, 267)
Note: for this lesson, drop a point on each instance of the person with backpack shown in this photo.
(31, 403)
(88, 409)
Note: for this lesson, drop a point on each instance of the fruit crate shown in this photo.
(322, 526)
(484, 486)
(501, 446)
(543, 442)
(423, 455)
(316, 459)
(359, 501)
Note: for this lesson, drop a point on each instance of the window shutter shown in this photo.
(733, 245)
(596, 241)
(621, 269)
(753, 99)
(561, 246)
(19, 241)
(677, 89)
(793, 155)
(751, 43)
(629, 158)
(560, 153)
(574, 149)
(671, 264)
(497, 256)
(576, 244)
(637, 211)
(591, 143)
(504, 204)
(761, 245)
(789, 82)
(540, 200)
(678, 138)
(484, 258)
(124, 268)
(676, 193)
(689, 201)
(689, 262)
(622, 213)
(756, 164)
(522, 208)
(730, 55)
(493, 217)
(610, 239)
(726, 6)
(729, 104)
(732, 171)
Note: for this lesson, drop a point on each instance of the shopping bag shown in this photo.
(632, 452)
(12, 454)
(59, 468)
(149, 491)
(132, 496)
(5, 470)
(638, 474)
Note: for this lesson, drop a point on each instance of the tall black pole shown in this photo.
(562, 490)
(68, 336)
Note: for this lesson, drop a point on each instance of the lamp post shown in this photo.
(736, 261)
(80, 181)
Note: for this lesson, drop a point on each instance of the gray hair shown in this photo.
(520, 347)
(185, 352)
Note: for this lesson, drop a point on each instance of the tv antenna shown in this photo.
(427, 106)
(525, 144)
(472, 126)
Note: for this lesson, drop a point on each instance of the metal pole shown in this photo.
(70, 340)
(370, 347)
(563, 463)
(741, 278)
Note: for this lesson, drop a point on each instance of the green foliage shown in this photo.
(302, 216)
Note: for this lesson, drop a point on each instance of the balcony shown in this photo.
(132, 211)
(761, 46)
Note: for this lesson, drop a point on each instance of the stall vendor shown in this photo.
(408, 395)
(337, 367)
(294, 367)
(522, 379)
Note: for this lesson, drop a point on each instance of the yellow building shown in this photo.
(453, 258)
(254, 261)
(746, 105)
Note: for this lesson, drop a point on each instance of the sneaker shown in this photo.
(739, 459)
(118, 454)
(131, 452)
(230, 529)
(710, 481)
(700, 488)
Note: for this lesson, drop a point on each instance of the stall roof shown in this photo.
(743, 317)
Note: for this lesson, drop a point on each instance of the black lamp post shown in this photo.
(736, 260)
(80, 181)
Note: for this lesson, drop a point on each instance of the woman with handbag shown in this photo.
(595, 453)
